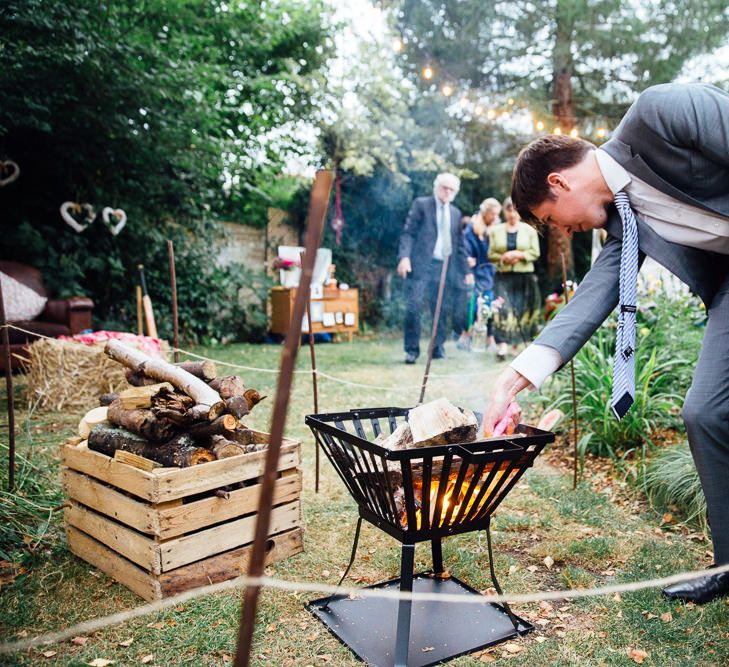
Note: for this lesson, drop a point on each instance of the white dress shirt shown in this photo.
(442, 223)
(670, 218)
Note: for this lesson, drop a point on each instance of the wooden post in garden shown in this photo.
(173, 287)
(314, 383)
(572, 371)
(434, 330)
(10, 397)
(318, 206)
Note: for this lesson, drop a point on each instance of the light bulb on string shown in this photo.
(463, 102)
(574, 133)
(510, 101)
(428, 72)
(478, 110)
(601, 132)
(397, 45)
(557, 130)
(490, 114)
(540, 126)
(447, 90)
(504, 114)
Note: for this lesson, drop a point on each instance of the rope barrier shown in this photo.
(103, 622)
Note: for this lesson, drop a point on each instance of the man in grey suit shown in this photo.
(431, 234)
(670, 156)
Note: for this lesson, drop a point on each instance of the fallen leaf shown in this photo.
(49, 654)
(532, 568)
(543, 622)
(80, 641)
(325, 573)
(513, 648)
(100, 662)
(513, 569)
(271, 628)
(608, 573)
(226, 657)
(549, 561)
(667, 518)
(486, 657)
(540, 639)
(637, 655)
(617, 597)
(147, 658)
(312, 637)
(157, 626)
(126, 643)
(667, 617)
(649, 615)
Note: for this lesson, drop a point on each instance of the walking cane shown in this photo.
(434, 331)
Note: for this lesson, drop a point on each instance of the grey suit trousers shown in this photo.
(706, 414)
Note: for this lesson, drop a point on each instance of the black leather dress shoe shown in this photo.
(700, 591)
(410, 358)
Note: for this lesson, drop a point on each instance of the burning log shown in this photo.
(441, 423)
(207, 400)
(143, 422)
(181, 453)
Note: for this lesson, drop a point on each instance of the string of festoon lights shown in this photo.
(597, 128)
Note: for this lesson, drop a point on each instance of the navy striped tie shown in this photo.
(624, 362)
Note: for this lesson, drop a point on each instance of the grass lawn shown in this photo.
(595, 535)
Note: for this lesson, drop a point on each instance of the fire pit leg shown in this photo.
(514, 620)
(351, 560)
(402, 638)
(437, 549)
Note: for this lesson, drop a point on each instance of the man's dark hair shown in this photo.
(535, 162)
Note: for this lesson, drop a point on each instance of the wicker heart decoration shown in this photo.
(119, 217)
(85, 210)
(9, 172)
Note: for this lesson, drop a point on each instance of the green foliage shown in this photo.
(672, 480)
(171, 110)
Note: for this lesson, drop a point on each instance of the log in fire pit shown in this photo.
(415, 495)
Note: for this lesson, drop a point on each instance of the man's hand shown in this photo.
(404, 267)
(508, 385)
(471, 262)
(469, 279)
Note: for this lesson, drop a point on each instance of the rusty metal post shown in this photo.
(173, 287)
(318, 206)
(434, 330)
(10, 397)
(572, 371)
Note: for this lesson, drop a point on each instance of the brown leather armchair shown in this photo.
(60, 317)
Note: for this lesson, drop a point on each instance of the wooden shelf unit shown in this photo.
(336, 302)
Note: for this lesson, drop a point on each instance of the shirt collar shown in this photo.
(616, 177)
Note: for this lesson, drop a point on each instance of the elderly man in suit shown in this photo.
(659, 187)
(431, 234)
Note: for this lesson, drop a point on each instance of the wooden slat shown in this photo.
(208, 511)
(92, 493)
(139, 482)
(177, 483)
(190, 548)
(111, 563)
(229, 564)
(130, 544)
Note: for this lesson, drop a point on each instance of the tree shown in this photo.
(174, 110)
(573, 63)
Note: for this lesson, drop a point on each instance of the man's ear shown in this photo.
(558, 181)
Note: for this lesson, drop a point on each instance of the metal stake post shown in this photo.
(572, 371)
(10, 397)
(434, 331)
(317, 213)
(173, 287)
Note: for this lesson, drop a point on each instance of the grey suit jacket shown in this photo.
(676, 138)
(419, 237)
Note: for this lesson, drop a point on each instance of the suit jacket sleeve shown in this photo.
(462, 252)
(413, 223)
(594, 300)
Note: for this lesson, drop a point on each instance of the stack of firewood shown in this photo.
(172, 414)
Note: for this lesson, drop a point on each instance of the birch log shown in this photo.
(207, 399)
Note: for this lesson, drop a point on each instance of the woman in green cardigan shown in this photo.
(514, 247)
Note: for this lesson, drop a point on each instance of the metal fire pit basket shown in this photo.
(414, 495)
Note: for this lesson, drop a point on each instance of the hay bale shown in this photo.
(67, 375)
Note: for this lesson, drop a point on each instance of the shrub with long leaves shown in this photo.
(656, 401)
(671, 480)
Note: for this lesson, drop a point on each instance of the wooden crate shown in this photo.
(163, 531)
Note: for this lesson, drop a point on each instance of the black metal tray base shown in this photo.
(439, 631)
